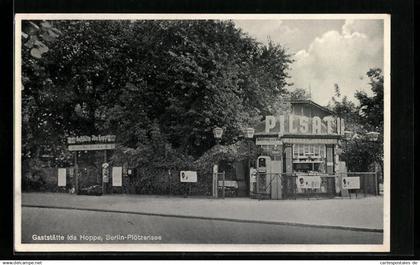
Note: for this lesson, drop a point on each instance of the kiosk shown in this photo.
(298, 150)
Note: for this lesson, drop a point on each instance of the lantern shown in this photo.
(217, 133)
(249, 133)
(372, 136)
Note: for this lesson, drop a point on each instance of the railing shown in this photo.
(368, 181)
(324, 186)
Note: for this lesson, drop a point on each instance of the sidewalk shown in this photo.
(362, 213)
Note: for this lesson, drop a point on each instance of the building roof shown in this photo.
(310, 102)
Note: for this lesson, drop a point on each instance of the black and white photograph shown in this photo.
(202, 132)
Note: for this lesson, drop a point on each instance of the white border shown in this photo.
(385, 247)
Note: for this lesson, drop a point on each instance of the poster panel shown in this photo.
(351, 183)
(61, 177)
(117, 176)
(308, 182)
(188, 176)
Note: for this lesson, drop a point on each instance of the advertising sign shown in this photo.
(117, 176)
(62, 177)
(229, 183)
(90, 147)
(297, 124)
(351, 183)
(93, 142)
(188, 176)
(308, 182)
(91, 139)
(268, 141)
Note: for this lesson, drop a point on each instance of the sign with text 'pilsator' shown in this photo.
(298, 124)
(91, 143)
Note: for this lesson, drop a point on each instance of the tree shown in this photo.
(131, 77)
(299, 94)
(359, 153)
(40, 133)
(345, 109)
(371, 110)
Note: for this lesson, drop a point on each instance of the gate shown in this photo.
(268, 186)
(88, 175)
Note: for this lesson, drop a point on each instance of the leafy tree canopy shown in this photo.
(359, 153)
(137, 78)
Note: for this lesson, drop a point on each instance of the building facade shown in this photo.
(299, 151)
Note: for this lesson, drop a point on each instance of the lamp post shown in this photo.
(217, 133)
(249, 135)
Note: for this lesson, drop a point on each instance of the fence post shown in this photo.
(223, 185)
(376, 183)
(365, 184)
(214, 184)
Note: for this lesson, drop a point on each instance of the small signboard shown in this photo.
(252, 175)
(92, 142)
(229, 183)
(188, 176)
(61, 177)
(351, 183)
(117, 176)
(90, 147)
(308, 182)
(268, 141)
(91, 139)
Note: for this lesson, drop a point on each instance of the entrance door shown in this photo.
(241, 176)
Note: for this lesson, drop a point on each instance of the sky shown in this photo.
(326, 52)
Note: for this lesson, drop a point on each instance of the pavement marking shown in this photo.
(359, 229)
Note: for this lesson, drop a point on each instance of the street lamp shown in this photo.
(372, 136)
(249, 135)
(217, 133)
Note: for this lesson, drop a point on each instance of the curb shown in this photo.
(358, 229)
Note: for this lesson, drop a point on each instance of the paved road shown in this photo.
(358, 213)
(96, 225)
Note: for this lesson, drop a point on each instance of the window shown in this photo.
(308, 167)
(261, 162)
(304, 151)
